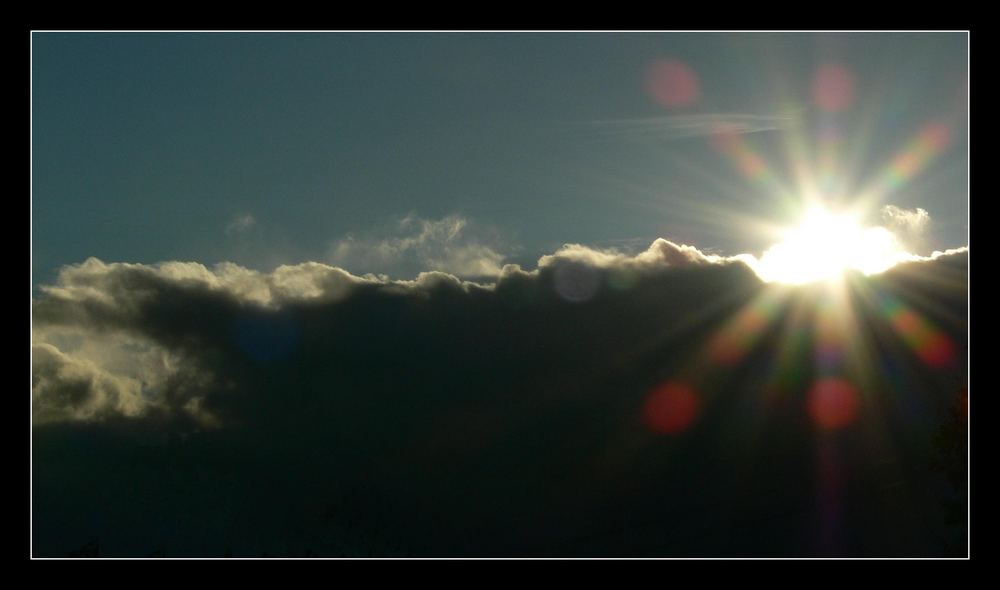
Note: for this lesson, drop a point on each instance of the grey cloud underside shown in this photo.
(309, 409)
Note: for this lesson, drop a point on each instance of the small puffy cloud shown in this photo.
(450, 244)
(911, 221)
(240, 224)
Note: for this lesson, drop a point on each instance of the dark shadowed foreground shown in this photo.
(586, 409)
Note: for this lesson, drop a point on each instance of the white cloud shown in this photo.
(413, 244)
(660, 254)
(68, 388)
(913, 221)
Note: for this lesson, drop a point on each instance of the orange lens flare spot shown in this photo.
(671, 408)
(752, 165)
(833, 403)
(833, 88)
(907, 321)
(673, 84)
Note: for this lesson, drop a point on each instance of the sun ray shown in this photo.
(908, 162)
(731, 343)
(741, 154)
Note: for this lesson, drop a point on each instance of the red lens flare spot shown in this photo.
(671, 408)
(938, 351)
(833, 403)
(673, 84)
(833, 88)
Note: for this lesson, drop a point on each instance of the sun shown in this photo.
(824, 246)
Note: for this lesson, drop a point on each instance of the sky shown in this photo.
(267, 149)
(499, 295)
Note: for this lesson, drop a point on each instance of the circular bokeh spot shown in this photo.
(833, 403)
(576, 282)
(671, 408)
(833, 88)
(673, 84)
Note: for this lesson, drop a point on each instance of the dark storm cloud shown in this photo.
(312, 410)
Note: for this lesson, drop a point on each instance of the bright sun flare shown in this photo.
(824, 246)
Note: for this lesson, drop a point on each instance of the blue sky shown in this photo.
(264, 149)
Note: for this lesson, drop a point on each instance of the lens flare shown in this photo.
(833, 403)
(576, 282)
(673, 84)
(830, 338)
(733, 145)
(671, 408)
(931, 345)
(932, 140)
(833, 88)
(736, 339)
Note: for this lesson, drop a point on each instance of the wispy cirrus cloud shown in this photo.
(688, 126)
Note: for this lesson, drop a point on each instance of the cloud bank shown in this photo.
(190, 410)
